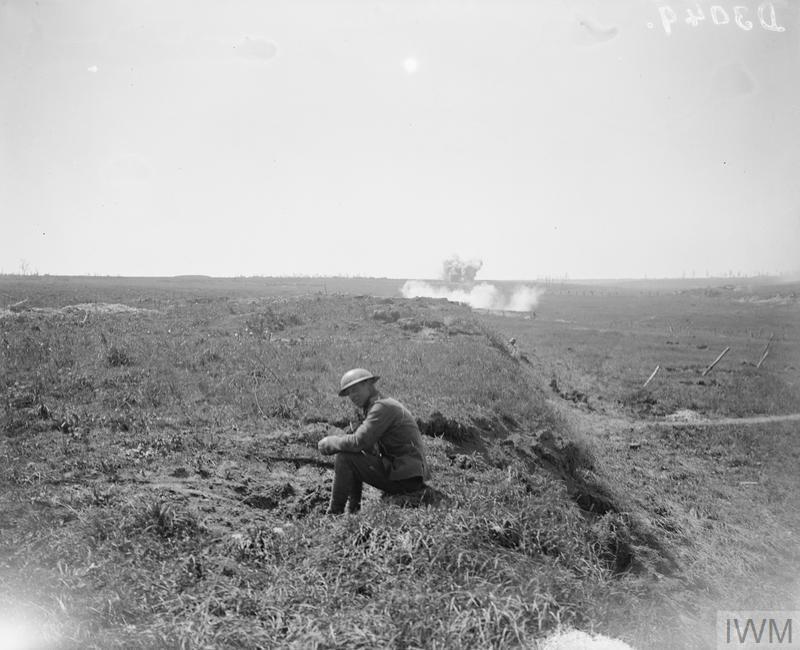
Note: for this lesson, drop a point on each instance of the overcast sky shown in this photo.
(259, 137)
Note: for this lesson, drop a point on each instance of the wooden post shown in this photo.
(716, 361)
(765, 351)
(763, 356)
(650, 378)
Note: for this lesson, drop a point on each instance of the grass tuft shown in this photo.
(117, 357)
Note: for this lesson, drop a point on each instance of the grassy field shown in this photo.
(161, 485)
(601, 344)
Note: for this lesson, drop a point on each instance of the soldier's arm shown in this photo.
(378, 420)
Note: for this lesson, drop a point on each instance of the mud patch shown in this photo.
(642, 403)
(103, 308)
(439, 426)
(684, 415)
(313, 500)
(271, 497)
(261, 501)
(628, 543)
(464, 461)
(81, 309)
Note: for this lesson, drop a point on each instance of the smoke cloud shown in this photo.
(456, 270)
(481, 296)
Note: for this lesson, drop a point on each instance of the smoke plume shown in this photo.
(481, 296)
(456, 270)
(485, 295)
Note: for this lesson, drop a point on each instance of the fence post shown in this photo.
(765, 351)
(650, 378)
(716, 361)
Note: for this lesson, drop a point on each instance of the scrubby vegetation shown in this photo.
(161, 486)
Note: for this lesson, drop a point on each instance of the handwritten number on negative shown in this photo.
(742, 16)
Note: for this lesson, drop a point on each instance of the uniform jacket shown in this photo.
(390, 430)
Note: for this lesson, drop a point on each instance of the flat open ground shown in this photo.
(161, 485)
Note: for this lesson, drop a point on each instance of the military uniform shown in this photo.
(385, 451)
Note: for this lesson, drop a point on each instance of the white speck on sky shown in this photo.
(589, 138)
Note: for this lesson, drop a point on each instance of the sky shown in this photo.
(569, 138)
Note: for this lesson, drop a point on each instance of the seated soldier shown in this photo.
(386, 450)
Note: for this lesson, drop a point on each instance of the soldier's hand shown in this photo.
(327, 445)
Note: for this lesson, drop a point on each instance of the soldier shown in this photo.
(386, 450)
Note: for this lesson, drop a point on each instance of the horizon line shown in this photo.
(793, 275)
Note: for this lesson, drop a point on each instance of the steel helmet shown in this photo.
(353, 377)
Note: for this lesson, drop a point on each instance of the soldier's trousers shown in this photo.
(352, 470)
